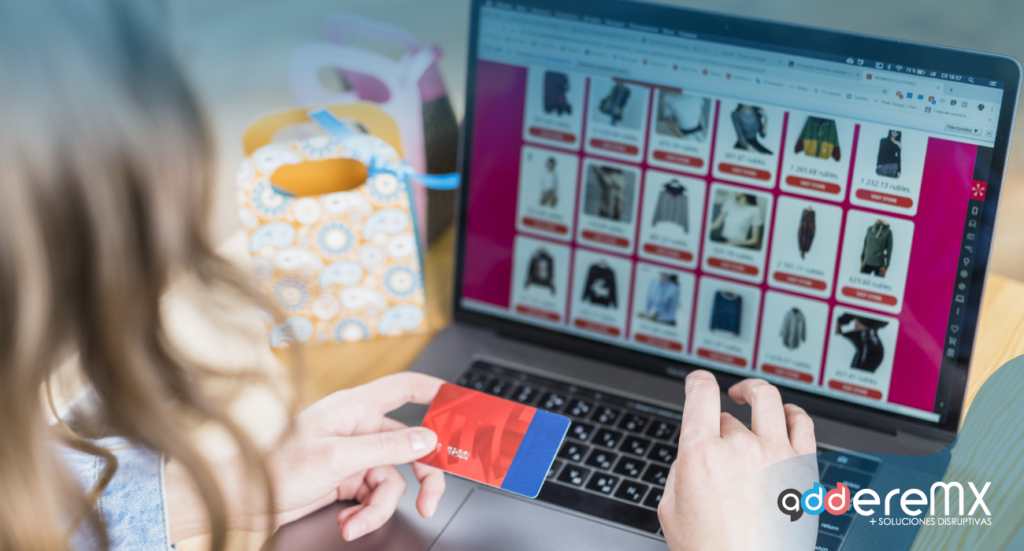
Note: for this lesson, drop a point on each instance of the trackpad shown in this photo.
(493, 521)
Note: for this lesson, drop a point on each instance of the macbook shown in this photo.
(650, 190)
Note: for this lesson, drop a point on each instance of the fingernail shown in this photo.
(357, 530)
(432, 506)
(416, 441)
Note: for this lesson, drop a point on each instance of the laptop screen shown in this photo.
(802, 217)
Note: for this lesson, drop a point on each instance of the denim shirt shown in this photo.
(133, 504)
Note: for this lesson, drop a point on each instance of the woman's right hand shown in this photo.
(710, 499)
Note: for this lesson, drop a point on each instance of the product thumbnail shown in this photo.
(600, 286)
(541, 271)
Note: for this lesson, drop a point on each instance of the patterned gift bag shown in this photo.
(331, 228)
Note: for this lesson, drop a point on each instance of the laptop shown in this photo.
(649, 190)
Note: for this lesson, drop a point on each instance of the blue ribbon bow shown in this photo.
(364, 152)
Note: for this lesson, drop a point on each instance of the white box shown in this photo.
(672, 214)
(810, 271)
(601, 284)
(546, 200)
(873, 189)
(662, 308)
(608, 206)
(540, 280)
(554, 108)
(681, 130)
(859, 284)
(792, 342)
(620, 132)
(736, 232)
(753, 161)
(817, 167)
(725, 334)
(855, 343)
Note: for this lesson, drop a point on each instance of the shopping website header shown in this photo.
(887, 65)
(969, 113)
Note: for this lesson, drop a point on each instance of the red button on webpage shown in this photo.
(978, 189)
(854, 389)
(599, 237)
(596, 327)
(679, 159)
(537, 313)
(885, 198)
(659, 342)
(745, 171)
(800, 281)
(614, 147)
(553, 135)
(668, 252)
(788, 373)
(731, 266)
(544, 225)
(869, 296)
(722, 357)
(815, 185)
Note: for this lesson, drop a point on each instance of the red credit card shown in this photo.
(491, 440)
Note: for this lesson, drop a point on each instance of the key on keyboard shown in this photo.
(580, 431)
(573, 451)
(601, 459)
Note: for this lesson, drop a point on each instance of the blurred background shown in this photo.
(236, 52)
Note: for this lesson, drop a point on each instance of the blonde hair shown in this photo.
(105, 194)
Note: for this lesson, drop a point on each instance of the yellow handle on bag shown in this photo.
(328, 175)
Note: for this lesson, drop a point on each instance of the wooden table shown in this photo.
(335, 367)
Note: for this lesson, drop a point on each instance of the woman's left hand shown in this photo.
(341, 448)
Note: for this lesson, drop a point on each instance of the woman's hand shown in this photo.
(342, 448)
(712, 498)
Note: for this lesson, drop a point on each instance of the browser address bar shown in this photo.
(705, 61)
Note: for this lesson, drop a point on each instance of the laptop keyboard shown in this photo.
(615, 459)
(854, 470)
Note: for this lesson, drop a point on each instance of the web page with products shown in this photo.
(756, 212)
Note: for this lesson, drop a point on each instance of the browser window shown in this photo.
(759, 212)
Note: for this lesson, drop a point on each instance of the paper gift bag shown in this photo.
(331, 225)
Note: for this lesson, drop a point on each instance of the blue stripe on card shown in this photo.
(536, 453)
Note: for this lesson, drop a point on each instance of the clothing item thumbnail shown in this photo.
(686, 115)
(555, 87)
(541, 271)
(737, 221)
(868, 350)
(889, 158)
(877, 247)
(750, 122)
(614, 103)
(549, 187)
(606, 193)
(673, 206)
(663, 299)
(794, 329)
(600, 286)
(805, 235)
(727, 312)
(820, 139)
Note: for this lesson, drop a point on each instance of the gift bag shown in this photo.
(331, 225)
(408, 88)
